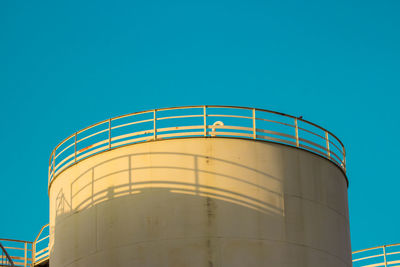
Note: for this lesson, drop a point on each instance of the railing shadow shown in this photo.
(93, 185)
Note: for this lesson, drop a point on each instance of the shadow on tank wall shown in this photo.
(96, 185)
(186, 209)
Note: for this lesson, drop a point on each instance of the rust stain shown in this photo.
(211, 211)
(84, 149)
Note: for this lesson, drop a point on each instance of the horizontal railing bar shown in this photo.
(42, 239)
(102, 148)
(40, 232)
(86, 137)
(373, 248)
(92, 126)
(14, 248)
(392, 245)
(92, 146)
(367, 249)
(393, 253)
(64, 160)
(368, 257)
(314, 144)
(228, 116)
(340, 150)
(131, 114)
(19, 258)
(278, 122)
(308, 131)
(276, 133)
(40, 257)
(64, 150)
(123, 136)
(313, 149)
(230, 107)
(41, 251)
(177, 108)
(336, 156)
(15, 240)
(230, 127)
(66, 165)
(249, 133)
(233, 134)
(180, 134)
(178, 128)
(375, 264)
(131, 141)
(179, 117)
(393, 262)
(130, 123)
(60, 144)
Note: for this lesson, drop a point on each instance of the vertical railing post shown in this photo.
(54, 163)
(49, 172)
(328, 151)
(344, 159)
(154, 125)
(109, 134)
(297, 132)
(25, 253)
(205, 119)
(34, 252)
(254, 124)
(75, 145)
(384, 255)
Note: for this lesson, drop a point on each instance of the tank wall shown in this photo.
(200, 202)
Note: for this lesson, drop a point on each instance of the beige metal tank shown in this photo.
(220, 189)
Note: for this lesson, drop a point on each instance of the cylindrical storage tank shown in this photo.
(213, 192)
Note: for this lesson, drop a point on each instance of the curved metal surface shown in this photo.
(387, 255)
(196, 121)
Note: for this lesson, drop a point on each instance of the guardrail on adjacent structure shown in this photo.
(25, 253)
(41, 245)
(388, 256)
(196, 121)
(5, 259)
(20, 252)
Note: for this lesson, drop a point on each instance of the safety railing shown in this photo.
(5, 259)
(387, 256)
(41, 245)
(196, 121)
(20, 252)
(25, 253)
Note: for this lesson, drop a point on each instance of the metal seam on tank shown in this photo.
(210, 213)
(320, 204)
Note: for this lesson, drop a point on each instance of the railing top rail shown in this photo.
(15, 240)
(386, 255)
(303, 143)
(372, 248)
(40, 232)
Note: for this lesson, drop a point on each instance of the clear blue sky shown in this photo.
(67, 64)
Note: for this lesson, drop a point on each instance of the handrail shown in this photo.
(386, 255)
(26, 253)
(196, 121)
(19, 251)
(43, 253)
(6, 259)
